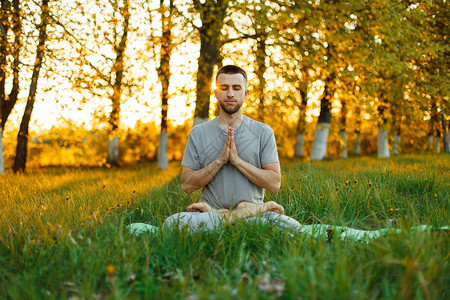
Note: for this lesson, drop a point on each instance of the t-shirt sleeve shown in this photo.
(269, 153)
(190, 157)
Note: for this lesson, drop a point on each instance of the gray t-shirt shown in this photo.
(255, 143)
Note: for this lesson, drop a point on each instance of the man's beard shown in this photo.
(230, 110)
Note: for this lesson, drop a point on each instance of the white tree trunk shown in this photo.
(430, 141)
(357, 145)
(2, 162)
(383, 148)
(163, 160)
(198, 121)
(299, 145)
(438, 144)
(447, 141)
(343, 145)
(396, 145)
(113, 150)
(319, 146)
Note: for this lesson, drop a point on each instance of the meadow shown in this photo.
(63, 235)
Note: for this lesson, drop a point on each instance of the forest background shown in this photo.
(110, 82)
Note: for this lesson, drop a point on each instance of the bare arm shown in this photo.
(192, 179)
(268, 177)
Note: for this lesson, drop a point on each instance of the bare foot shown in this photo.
(203, 207)
(200, 206)
(273, 206)
(246, 210)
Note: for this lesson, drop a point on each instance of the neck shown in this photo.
(226, 121)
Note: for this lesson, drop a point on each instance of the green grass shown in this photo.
(60, 229)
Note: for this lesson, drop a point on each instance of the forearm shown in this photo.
(268, 179)
(196, 179)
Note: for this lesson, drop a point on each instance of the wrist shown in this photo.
(238, 162)
(220, 162)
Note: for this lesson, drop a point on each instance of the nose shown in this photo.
(230, 93)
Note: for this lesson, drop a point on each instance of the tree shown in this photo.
(331, 25)
(301, 123)
(432, 67)
(212, 15)
(296, 28)
(22, 137)
(8, 15)
(389, 44)
(164, 77)
(4, 23)
(120, 44)
(100, 32)
(319, 146)
(342, 130)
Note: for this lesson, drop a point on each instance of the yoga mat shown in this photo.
(315, 231)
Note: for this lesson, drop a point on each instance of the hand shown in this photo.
(200, 207)
(224, 156)
(234, 156)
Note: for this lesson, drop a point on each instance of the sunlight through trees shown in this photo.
(333, 78)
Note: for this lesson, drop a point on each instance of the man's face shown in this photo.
(231, 90)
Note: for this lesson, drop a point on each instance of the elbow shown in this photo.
(187, 189)
(275, 187)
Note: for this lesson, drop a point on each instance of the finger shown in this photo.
(193, 207)
(228, 137)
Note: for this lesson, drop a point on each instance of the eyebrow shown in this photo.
(233, 85)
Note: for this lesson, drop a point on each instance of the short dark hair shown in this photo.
(232, 69)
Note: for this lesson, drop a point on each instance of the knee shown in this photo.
(282, 220)
(176, 219)
(242, 204)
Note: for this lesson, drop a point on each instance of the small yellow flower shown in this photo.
(110, 270)
(391, 209)
(435, 195)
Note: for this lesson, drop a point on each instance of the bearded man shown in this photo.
(233, 159)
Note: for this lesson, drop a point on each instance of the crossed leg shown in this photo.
(243, 210)
(201, 216)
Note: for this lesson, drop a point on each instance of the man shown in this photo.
(233, 159)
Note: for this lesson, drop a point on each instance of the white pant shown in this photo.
(198, 221)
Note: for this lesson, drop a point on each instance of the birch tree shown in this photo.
(119, 46)
(164, 77)
(100, 33)
(334, 45)
(319, 146)
(212, 15)
(22, 136)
